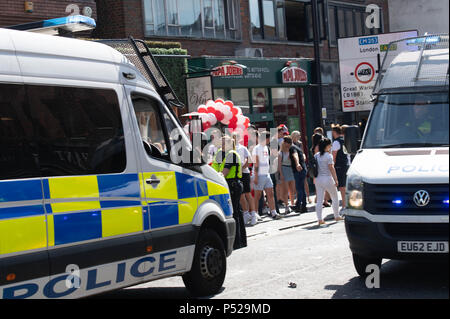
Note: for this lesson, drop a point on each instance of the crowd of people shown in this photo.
(272, 173)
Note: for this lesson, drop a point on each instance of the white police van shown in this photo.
(397, 188)
(90, 197)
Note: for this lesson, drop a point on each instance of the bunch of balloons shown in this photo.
(224, 112)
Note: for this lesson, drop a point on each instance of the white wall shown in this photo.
(424, 15)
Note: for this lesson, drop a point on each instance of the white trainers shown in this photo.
(247, 218)
(254, 220)
(258, 217)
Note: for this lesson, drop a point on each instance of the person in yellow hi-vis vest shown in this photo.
(228, 162)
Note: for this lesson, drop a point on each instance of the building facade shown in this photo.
(14, 12)
(425, 16)
(243, 29)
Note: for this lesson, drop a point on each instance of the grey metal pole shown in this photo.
(317, 109)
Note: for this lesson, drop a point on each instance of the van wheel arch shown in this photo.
(214, 223)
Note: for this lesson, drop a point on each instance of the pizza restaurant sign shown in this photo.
(229, 69)
(293, 73)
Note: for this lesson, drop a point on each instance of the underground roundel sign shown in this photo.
(365, 72)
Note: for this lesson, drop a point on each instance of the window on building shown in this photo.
(348, 21)
(283, 20)
(217, 19)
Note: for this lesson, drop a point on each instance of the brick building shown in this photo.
(14, 12)
(241, 29)
(257, 32)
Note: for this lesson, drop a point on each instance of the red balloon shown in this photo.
(219, 115)
(234, 111)
(211, 109)
(234, 120)
(220, 101)
(232, 126)
(229, 103)
(206, 125)
(202, 111)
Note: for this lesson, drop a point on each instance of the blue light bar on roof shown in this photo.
(427, 40)
(53, 26)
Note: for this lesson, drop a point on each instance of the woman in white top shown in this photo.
(326, 180)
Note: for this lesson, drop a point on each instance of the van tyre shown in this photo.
(361, 263)
(209, 266)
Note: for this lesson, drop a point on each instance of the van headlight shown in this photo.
(355, 192)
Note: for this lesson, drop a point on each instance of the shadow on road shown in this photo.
(400, 279)
(150, 293)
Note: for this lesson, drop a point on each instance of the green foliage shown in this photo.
(174, 69)
(163, 45)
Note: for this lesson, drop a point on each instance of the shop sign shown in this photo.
(229, 69)
(199, 91)
(293, 73)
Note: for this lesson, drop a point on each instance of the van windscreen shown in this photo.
(409, 120)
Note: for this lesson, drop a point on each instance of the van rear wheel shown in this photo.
(209, 266)
(361, 263)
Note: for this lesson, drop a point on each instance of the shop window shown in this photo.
(240, 98)
(217, 19)
(285, 105)
(220, 94)
(260, 99)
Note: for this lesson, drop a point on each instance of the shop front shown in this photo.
(270, 91)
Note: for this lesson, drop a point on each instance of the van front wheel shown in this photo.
(209, 266)
(361, 263)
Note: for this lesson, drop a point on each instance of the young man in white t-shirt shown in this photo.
(262, 181)
(247, 202)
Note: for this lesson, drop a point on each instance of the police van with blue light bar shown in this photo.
(397, 187)
(91, 198)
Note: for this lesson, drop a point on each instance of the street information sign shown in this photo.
(360, 58)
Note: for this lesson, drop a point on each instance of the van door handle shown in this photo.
(153, 181)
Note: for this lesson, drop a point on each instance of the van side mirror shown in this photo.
(352, 139)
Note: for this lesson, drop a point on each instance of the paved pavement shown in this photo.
(318, 260)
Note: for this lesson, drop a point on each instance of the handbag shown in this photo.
(313, 170)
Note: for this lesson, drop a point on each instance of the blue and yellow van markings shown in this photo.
(36, 214)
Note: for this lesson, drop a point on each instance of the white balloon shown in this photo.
(239, 110)
(225, 121)
(212, 119)
(204, 117)
(220, 107)
(227, 113)
(203, 106)
(241, 120)
(211, 103)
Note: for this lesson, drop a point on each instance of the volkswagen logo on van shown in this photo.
(422, 198)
